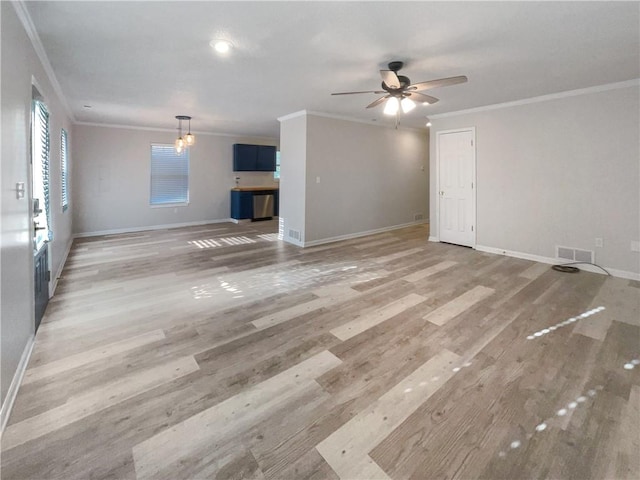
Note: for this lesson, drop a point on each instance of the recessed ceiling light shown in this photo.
(221, 46)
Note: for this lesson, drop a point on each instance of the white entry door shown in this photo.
(457, 165)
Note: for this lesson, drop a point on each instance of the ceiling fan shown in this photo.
(401, 93)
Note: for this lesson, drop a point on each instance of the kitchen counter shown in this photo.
(256, 203)
(252, 189)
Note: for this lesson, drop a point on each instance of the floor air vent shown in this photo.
(574, 254)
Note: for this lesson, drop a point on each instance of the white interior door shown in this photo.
(456, 167)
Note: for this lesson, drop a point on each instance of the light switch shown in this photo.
(20, 191)
(317, 179)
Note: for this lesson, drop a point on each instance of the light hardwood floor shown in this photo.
(220, 352)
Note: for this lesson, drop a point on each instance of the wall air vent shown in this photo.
(295, 234)
(574, 254)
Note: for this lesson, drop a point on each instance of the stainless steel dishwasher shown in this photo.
(263, 204)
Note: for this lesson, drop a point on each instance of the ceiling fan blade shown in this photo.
(421, 98)
(378, 101)
(441, 82)
(351, 93)
(390, 78)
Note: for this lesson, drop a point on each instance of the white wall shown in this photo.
(562, 171)
(112, 179)
(20, 64)
(371, 178)
(293, 161)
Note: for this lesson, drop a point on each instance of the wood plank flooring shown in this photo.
(220, 352)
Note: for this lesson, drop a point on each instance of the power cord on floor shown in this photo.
(567, 268)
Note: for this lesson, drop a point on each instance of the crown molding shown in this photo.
(542, 98)
(24, 17)
(300, 113)
(172, 130)
(348, 119)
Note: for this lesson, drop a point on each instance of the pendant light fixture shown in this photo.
(189, 139)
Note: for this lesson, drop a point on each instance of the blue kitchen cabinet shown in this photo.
(242, 202)
(241, 205)
(254, 158)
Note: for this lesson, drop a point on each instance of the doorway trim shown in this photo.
(436, 238)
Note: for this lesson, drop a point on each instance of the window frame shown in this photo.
(276, 172)
(159, 204)
(64, 169)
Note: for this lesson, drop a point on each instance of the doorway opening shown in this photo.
(40, 202)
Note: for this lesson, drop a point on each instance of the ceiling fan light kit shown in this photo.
(401, 93)
(188, 140)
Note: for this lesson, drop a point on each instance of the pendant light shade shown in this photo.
(186, 141)
(190, 138)
(407, 104)
(392, 106)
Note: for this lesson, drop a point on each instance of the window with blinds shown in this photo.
(41, 152)
(169, 176)
(64, 170)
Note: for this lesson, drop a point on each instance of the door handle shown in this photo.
(441, 193)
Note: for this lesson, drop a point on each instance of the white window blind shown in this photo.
(169, 175)
(276, 174)
(64, 172)
(41, 149)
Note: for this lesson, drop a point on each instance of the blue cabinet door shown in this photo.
(266, 158)
(245, 157)
(241, 205)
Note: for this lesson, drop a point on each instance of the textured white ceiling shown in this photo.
(142, 63)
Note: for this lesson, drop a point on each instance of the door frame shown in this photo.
(30, 166)
(473, 176)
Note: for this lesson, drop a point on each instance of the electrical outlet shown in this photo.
(635, 246)
(599, 242)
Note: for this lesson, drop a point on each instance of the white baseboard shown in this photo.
(349, 236)
(7, 405)
(54, 283)
(151, 227)
(292, 241)
(557, 261)
(242, 221)
(434, 239)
